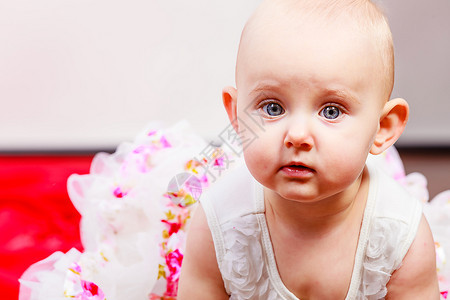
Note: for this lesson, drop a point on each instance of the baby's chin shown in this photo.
(292, 194)
(302, 197)
(311, 193)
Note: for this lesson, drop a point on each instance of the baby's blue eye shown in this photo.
(273, 109)
(330, 112)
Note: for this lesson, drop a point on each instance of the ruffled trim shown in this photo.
(242, 267)
(381, 259)
(46, 279)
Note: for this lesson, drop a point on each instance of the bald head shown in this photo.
(359, 17)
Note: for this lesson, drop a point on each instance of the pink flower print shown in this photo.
(173, 262)
(152, 132)
(118, 193)
(173, 227)
(75, 268)
(91, 291)
(164, 142)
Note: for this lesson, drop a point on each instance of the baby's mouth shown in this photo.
(297, 170)
(298, 167)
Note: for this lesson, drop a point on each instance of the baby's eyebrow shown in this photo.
(340, 94)
(263, 86)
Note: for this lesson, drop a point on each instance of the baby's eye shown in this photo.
(331, 112)
(273, 109)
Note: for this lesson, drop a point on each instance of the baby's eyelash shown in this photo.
(338, 105)
(265, 102)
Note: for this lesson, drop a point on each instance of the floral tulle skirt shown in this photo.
(136, 204)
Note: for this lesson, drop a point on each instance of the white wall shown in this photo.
(421, 32)
(77, 74)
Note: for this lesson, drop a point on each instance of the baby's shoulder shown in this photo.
(417, 278)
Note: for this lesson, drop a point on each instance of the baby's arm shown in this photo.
(200, 276)
(417, 277)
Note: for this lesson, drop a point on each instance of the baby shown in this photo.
(308, 218)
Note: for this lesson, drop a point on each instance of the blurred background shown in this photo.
(79, 76)
(89, 74)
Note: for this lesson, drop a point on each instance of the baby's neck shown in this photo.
(321, 217)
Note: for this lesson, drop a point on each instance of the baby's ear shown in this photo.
(229, 98)
(392, 123)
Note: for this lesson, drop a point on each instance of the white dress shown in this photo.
(235, 214)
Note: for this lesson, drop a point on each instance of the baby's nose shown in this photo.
(299, 135)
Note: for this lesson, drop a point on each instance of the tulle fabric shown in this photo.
(46, 278)
(133, 222)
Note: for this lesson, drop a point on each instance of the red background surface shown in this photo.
(36, 215)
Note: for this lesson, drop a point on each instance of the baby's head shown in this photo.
(313, 80)
(288, 21)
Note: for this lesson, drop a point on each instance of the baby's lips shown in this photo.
(297, 165)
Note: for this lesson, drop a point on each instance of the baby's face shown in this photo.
(313, 96)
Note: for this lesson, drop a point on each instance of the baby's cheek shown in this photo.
(347, 162)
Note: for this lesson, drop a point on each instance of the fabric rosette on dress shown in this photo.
(380, 257)
(135, 205)
(242, 263)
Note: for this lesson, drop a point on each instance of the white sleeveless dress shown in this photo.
(235, 212)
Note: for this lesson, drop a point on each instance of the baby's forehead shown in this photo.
(285, 21)
(272, 15)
